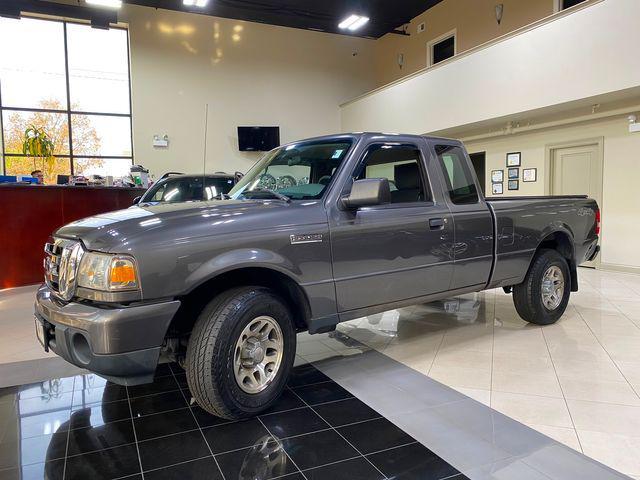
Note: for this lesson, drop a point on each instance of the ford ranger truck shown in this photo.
(318, 232)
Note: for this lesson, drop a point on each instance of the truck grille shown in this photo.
(62, 258)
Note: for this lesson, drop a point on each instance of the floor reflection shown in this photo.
(85, 427)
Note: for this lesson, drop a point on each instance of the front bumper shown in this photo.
(120, 344)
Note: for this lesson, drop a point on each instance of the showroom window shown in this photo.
(460, 182)
(401, 165)
(72, 81)
(441, 48)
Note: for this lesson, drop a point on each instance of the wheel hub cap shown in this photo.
(258, 354)
(552, 288)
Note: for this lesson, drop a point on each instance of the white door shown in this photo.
(577, 170)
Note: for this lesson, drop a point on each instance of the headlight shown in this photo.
(101, 271)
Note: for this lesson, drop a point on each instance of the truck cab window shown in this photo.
(460, 183)
(401, 165)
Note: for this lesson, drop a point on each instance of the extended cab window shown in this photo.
(460, 183)
(401, 165)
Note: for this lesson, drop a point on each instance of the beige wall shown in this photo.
(620, 203)
(474, 21)
(248, 73)
(556, 62)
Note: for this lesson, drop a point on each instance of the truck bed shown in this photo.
(522, 223)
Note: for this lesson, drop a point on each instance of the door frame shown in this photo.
(548, 166)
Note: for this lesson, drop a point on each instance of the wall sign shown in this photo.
(529, 174)
(513, 159)
(497, 176)
(496, 188)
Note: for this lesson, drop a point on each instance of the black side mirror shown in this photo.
(137, 200)
(368, 192)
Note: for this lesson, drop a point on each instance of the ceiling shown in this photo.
(324, 15)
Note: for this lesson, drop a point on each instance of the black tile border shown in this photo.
(324, 425)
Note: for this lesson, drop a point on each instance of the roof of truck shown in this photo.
(371, 135)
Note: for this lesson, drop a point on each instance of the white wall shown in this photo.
(620, 204)
(249, 73)
(578, 55)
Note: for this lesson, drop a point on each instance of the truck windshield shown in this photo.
(300, 171)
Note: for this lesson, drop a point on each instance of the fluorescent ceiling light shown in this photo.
(106, 3)
(353, 22)
(195, 3)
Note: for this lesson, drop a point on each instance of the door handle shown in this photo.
(436, 223)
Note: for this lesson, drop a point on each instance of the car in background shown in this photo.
(176, 187)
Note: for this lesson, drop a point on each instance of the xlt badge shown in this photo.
(306, 238)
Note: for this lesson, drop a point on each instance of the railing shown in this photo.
(553, 61)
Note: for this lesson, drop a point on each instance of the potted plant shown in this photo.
(37, 144)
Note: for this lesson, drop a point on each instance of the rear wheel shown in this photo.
(543, 296)
(240, 352)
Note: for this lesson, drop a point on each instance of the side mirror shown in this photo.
(368, 192)
(137, 200)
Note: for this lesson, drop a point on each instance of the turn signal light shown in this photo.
(598, 222)
(122, 274)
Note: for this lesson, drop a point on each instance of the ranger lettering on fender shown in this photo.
(306, 238)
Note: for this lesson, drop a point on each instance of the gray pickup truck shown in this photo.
(318, 232)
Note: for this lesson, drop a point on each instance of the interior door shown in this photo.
(392, 252)
(577, 170)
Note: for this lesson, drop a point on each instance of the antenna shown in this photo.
(204, 156)
(206, 123)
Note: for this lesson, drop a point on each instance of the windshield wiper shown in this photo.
(223, 196)
(278, 195)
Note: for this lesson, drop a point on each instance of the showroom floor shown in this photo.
(576, 381)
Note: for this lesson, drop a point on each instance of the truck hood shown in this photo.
(149, 225)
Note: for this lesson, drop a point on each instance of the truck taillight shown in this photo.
(598, 222)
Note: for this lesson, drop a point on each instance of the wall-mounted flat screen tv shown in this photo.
(258, 139)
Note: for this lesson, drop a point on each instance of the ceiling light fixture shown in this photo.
(195, 3)
(353, 22)
(106, 3)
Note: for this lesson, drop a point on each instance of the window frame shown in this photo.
(558, 5)
(422, 166)
(68, 111)
(433, 42)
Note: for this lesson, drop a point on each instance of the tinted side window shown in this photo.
(401, 165)
(462, 188)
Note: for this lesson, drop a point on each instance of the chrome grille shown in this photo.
(62, 258)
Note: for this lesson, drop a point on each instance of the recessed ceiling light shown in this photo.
(195, 3)
(353, 22)
(106, 3)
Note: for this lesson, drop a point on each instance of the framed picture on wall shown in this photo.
(514, 185)
(513, 159)
(496, 188)
(497, 176)
(529, 174)
(514, 173)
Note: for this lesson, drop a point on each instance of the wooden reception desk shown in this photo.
(30, 213)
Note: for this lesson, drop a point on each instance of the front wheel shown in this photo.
(240, 352)
(543, 296)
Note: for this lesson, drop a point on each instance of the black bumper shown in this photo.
(120, 344)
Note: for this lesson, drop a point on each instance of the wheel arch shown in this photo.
(197, 297)
(562, 241)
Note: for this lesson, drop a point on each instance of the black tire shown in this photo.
(527, 297)
(210, 353)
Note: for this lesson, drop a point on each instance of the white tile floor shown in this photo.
(577, 381)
